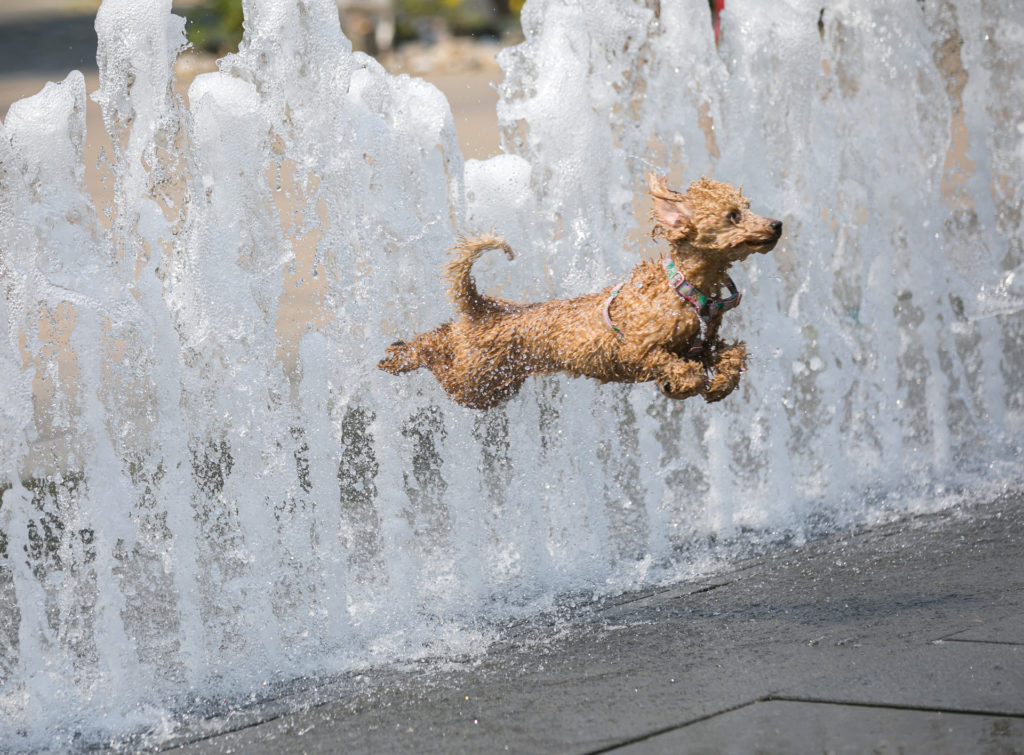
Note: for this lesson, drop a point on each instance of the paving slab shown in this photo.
(953, 676)
(853, 627)
(783, 726)
(1008, 630)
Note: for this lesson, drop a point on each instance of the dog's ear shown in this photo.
(656, 184)
(672, 216)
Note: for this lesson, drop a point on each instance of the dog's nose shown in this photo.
(777, 227)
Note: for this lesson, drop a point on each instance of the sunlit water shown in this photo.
(209, 488)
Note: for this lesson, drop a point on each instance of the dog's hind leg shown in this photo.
(400, 357)
(423, 351)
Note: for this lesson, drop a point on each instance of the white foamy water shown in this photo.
(208, 491)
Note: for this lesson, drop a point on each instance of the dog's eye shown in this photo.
(734, 217)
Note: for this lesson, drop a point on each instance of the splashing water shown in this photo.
(207, 488)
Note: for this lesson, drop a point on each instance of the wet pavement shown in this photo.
(907, 638)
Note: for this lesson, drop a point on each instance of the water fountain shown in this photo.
(207, 488)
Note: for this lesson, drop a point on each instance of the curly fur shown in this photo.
(482, 358)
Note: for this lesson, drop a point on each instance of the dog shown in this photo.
(660, 324)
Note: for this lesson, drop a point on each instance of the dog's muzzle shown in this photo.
(768, 244)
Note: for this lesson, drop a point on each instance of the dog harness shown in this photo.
(706, 307)
(607, 306)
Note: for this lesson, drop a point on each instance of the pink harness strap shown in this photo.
(608, 305)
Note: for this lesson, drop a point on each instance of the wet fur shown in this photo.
(482, 358)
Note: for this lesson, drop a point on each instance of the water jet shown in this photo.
(205, 492)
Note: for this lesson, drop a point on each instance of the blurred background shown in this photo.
(451, 43)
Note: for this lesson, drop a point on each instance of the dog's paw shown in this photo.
(678, 393)
(720, 387)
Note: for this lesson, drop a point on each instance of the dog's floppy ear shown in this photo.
(672, 216)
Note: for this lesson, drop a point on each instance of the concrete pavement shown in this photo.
(908, 638)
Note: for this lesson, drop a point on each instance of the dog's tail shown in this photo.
(461, 286)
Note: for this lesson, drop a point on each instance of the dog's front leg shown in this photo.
(726, 365)
(675, 377)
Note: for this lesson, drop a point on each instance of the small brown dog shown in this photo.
(660, 324)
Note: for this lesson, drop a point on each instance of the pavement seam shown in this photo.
(673, 727)
(187, 741)
(892, 706)
(805, 700)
